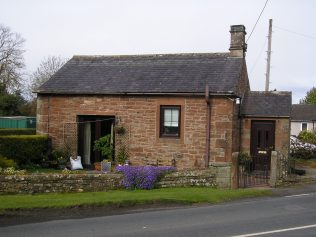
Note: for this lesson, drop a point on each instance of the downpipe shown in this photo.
(208, 117)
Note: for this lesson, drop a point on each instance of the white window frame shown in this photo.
(172, 121)
(303, 123)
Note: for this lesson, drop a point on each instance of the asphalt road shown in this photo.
(273, 216)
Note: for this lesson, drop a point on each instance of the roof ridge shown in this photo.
(271, 92)
(223, 54)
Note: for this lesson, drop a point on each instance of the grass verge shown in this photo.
(307, 163)
(127, 198)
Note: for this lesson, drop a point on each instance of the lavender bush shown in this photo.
(142, 177)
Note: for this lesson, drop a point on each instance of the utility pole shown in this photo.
(269, 56)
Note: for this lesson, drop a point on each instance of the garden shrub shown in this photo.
(17, 131)
(302, 153)
(25, 149)
(302, 150)
(5, 162)
(244, 159)
(58, 158)
(142, 177)
(307, 136)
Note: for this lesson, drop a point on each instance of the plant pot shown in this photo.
(97, 166)
(106, 166)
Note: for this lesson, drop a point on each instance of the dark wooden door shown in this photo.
(262, 143)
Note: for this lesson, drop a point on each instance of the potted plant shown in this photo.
(97, 166)
(104, 145)
(120, 130)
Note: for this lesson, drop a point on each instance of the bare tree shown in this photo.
(11, 59)
(48, 67)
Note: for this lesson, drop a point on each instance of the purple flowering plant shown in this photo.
(142, 177)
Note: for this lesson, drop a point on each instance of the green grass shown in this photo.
(308, 163)
(127, 198)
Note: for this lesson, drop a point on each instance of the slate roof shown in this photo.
(147, 74)
(267, 104)
(303, 112)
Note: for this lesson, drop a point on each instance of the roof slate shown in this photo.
(169, 73)
(303, 112)
(267, 104)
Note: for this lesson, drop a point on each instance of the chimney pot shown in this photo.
(238, 46)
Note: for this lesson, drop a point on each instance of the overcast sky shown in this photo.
(104, 27)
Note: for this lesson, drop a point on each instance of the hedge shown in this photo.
(24, 149)
(17, 131)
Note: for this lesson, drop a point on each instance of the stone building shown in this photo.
(180, 109)
(303, 117)
(265, 125)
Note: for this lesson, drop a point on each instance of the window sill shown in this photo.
(169, 140)
(169, 136)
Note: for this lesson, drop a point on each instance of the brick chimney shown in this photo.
(238, 46)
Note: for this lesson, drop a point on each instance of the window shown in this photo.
(170, 121)
(304, 127)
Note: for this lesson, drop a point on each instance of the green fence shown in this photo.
(18, 122)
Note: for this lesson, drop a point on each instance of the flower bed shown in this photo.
(142, 177)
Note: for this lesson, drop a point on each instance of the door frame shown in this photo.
(101, 125)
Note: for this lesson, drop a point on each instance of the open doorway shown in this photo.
(90, 129)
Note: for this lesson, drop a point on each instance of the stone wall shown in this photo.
(140, 115)
(56, 183)
(215, 176)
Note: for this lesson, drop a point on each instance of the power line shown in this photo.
(296, 33)
(259, 56)
(257, 20)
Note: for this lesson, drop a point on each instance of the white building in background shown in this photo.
(303, 117)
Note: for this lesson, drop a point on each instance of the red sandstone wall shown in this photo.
(140, 115)
(223, 124)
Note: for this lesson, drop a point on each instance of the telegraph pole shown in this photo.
(269, 56)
